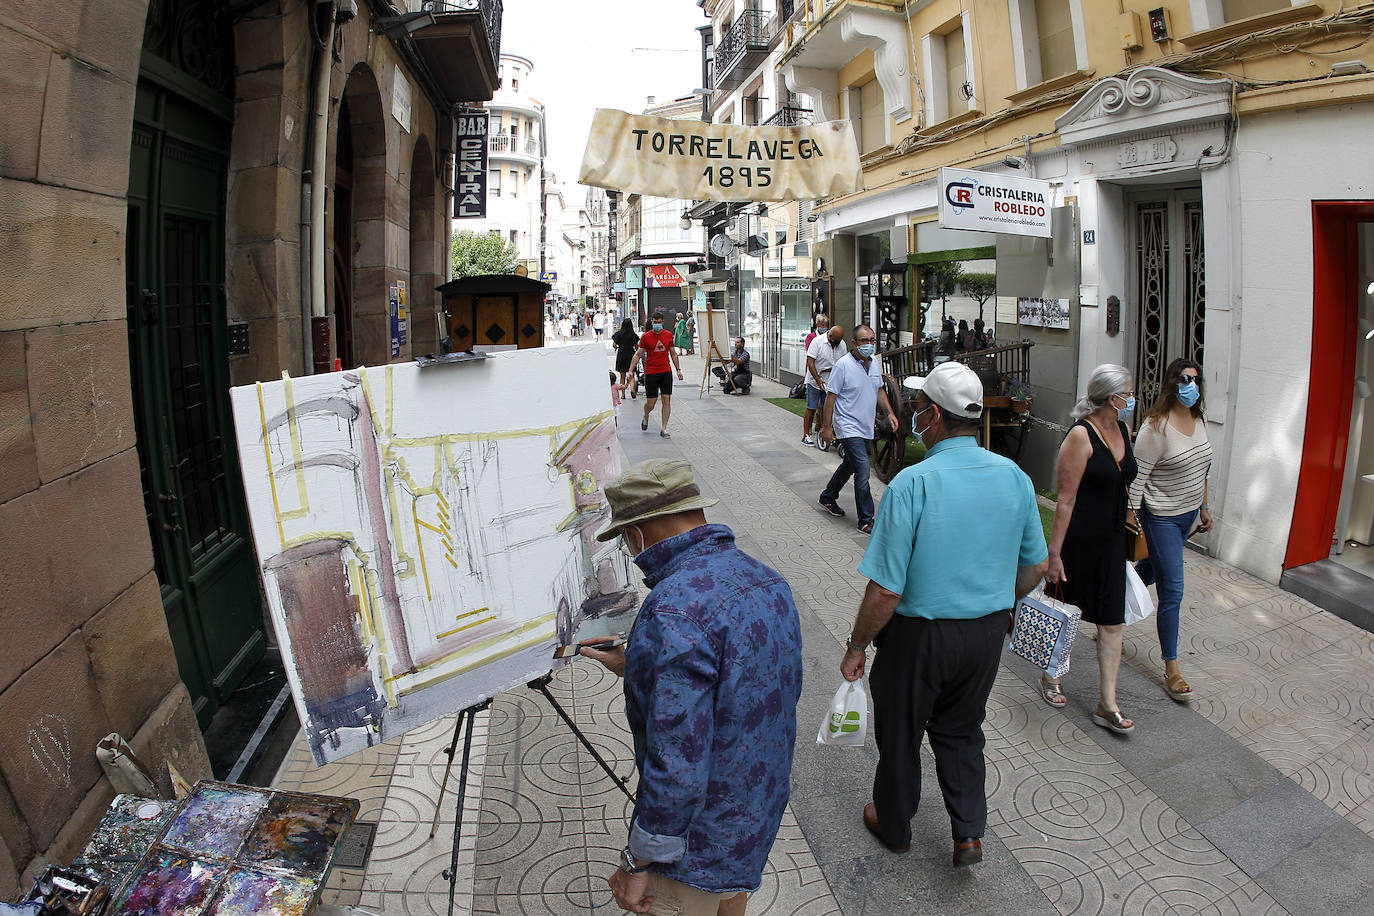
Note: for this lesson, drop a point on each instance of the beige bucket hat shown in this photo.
(659, 486)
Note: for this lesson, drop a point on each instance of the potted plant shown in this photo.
(1022, 396)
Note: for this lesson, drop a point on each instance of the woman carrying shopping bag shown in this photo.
(1170, 496)
(1088, 543)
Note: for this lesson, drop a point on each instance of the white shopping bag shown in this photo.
(846, 722)
(1138, 603)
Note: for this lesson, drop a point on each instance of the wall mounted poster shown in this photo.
(1043, 313)
(427, 536)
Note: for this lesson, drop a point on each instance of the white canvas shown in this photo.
(427, 536)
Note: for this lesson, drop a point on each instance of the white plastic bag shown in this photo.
(846, 722)
(1138, 603)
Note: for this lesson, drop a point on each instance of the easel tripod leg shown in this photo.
(470, 715)
(542, 685)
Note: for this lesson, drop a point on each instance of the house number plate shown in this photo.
(1146, 152)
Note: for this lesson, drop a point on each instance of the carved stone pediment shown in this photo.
(1147, 99)
(814, 67)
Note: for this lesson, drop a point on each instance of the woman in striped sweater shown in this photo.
(1170, 496)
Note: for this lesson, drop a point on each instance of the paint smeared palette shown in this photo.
(232, 850)
(128, 828)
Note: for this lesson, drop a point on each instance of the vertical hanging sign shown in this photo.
(470, 194)
(394, 312)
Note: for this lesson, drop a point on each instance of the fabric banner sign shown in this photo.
(689, 160)
(470, 195)
(994, 203)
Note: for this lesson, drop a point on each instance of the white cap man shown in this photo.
(953, 387)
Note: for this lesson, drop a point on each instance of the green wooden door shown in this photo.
(176, 311)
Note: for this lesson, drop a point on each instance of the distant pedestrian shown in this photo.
(712, 674)
(855, 389)
(1170, 494)
(624, 343)
(564, 327)
(660, 360)
(957, 541)
(964, 338)
(691, 334)
(681, 338)
(825, 350)
(599, 324)
(1088, 542)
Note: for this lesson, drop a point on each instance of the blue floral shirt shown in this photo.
(712, 678)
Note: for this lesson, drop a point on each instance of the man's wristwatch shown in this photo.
(854, 647)
(627, 863)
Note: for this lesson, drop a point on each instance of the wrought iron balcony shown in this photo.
(789, 117)
(743, 48)
(463, 46)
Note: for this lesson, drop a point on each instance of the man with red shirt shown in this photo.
(660, 359)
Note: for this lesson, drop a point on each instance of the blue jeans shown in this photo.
(1165, 534)
(854, 450)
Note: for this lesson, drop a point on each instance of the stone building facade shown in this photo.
(155, 226)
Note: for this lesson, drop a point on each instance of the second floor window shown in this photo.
(956, 73)
(1054, 24)
(1240, 9)
(872, 126)
(494, 183)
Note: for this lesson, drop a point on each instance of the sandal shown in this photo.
(1113, 721)
(1177, 688)
(1049, 690)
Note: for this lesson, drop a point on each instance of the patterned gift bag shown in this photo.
(1044, 631)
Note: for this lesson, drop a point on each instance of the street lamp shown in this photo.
(887, 286)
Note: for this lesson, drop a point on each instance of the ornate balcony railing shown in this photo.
(789, 117)
(491, 11)
(751, 32)
(505, 143)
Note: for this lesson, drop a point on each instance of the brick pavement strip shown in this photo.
(1259, 798)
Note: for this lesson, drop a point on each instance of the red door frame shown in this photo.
(1331, 389)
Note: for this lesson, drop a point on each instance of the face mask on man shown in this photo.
(658, 326)
(624, 537)
(867, 350)
(1188, 393)
(920, 432)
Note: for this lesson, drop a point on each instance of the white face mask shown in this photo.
(624, 536)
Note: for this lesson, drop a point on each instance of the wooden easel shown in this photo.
(713, 355)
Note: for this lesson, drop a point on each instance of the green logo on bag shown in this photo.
(851, 722)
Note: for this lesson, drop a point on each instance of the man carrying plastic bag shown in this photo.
(956, 542)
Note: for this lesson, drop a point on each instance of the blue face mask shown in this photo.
(658, 325)
(1188, 394)
(1124, 413)
(866, 350)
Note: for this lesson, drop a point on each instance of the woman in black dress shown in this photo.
(624, 341)
(1087, 561)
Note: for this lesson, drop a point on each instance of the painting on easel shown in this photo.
(427, 536)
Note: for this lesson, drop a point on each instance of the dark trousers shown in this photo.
(933, 677)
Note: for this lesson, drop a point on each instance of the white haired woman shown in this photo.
(1087, 562)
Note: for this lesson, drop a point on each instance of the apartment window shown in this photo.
(514, 84)
(1054, 24)
(494, 184)
(956, 73)
(1232, 10)
(872, 126)
(515, 237)
(514, 182)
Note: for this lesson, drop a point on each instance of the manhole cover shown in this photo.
(355, 848)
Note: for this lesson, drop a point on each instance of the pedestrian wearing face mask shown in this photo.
(712, 673)
(855, 389)
(1170, 495)
(957, 541)
(1087, 564)
(660, 361)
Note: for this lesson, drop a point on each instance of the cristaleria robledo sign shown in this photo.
(994, 203)
(689, 160)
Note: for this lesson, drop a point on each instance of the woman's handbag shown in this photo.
(1043, 631)
(1136, 548)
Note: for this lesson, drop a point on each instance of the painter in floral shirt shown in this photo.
(712, 677)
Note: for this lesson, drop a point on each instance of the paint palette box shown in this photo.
(231, 849)
(131, 824)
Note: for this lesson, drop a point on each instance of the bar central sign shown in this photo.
(470, 191)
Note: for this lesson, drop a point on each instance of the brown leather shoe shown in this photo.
(871, 822)
(968, 851)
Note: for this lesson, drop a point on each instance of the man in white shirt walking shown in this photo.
(855, 389)
(826, 348)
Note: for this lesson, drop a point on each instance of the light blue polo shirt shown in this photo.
(951, 532)
(855, 390)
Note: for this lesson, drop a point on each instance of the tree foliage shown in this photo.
(477, 253)
(979, 287)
